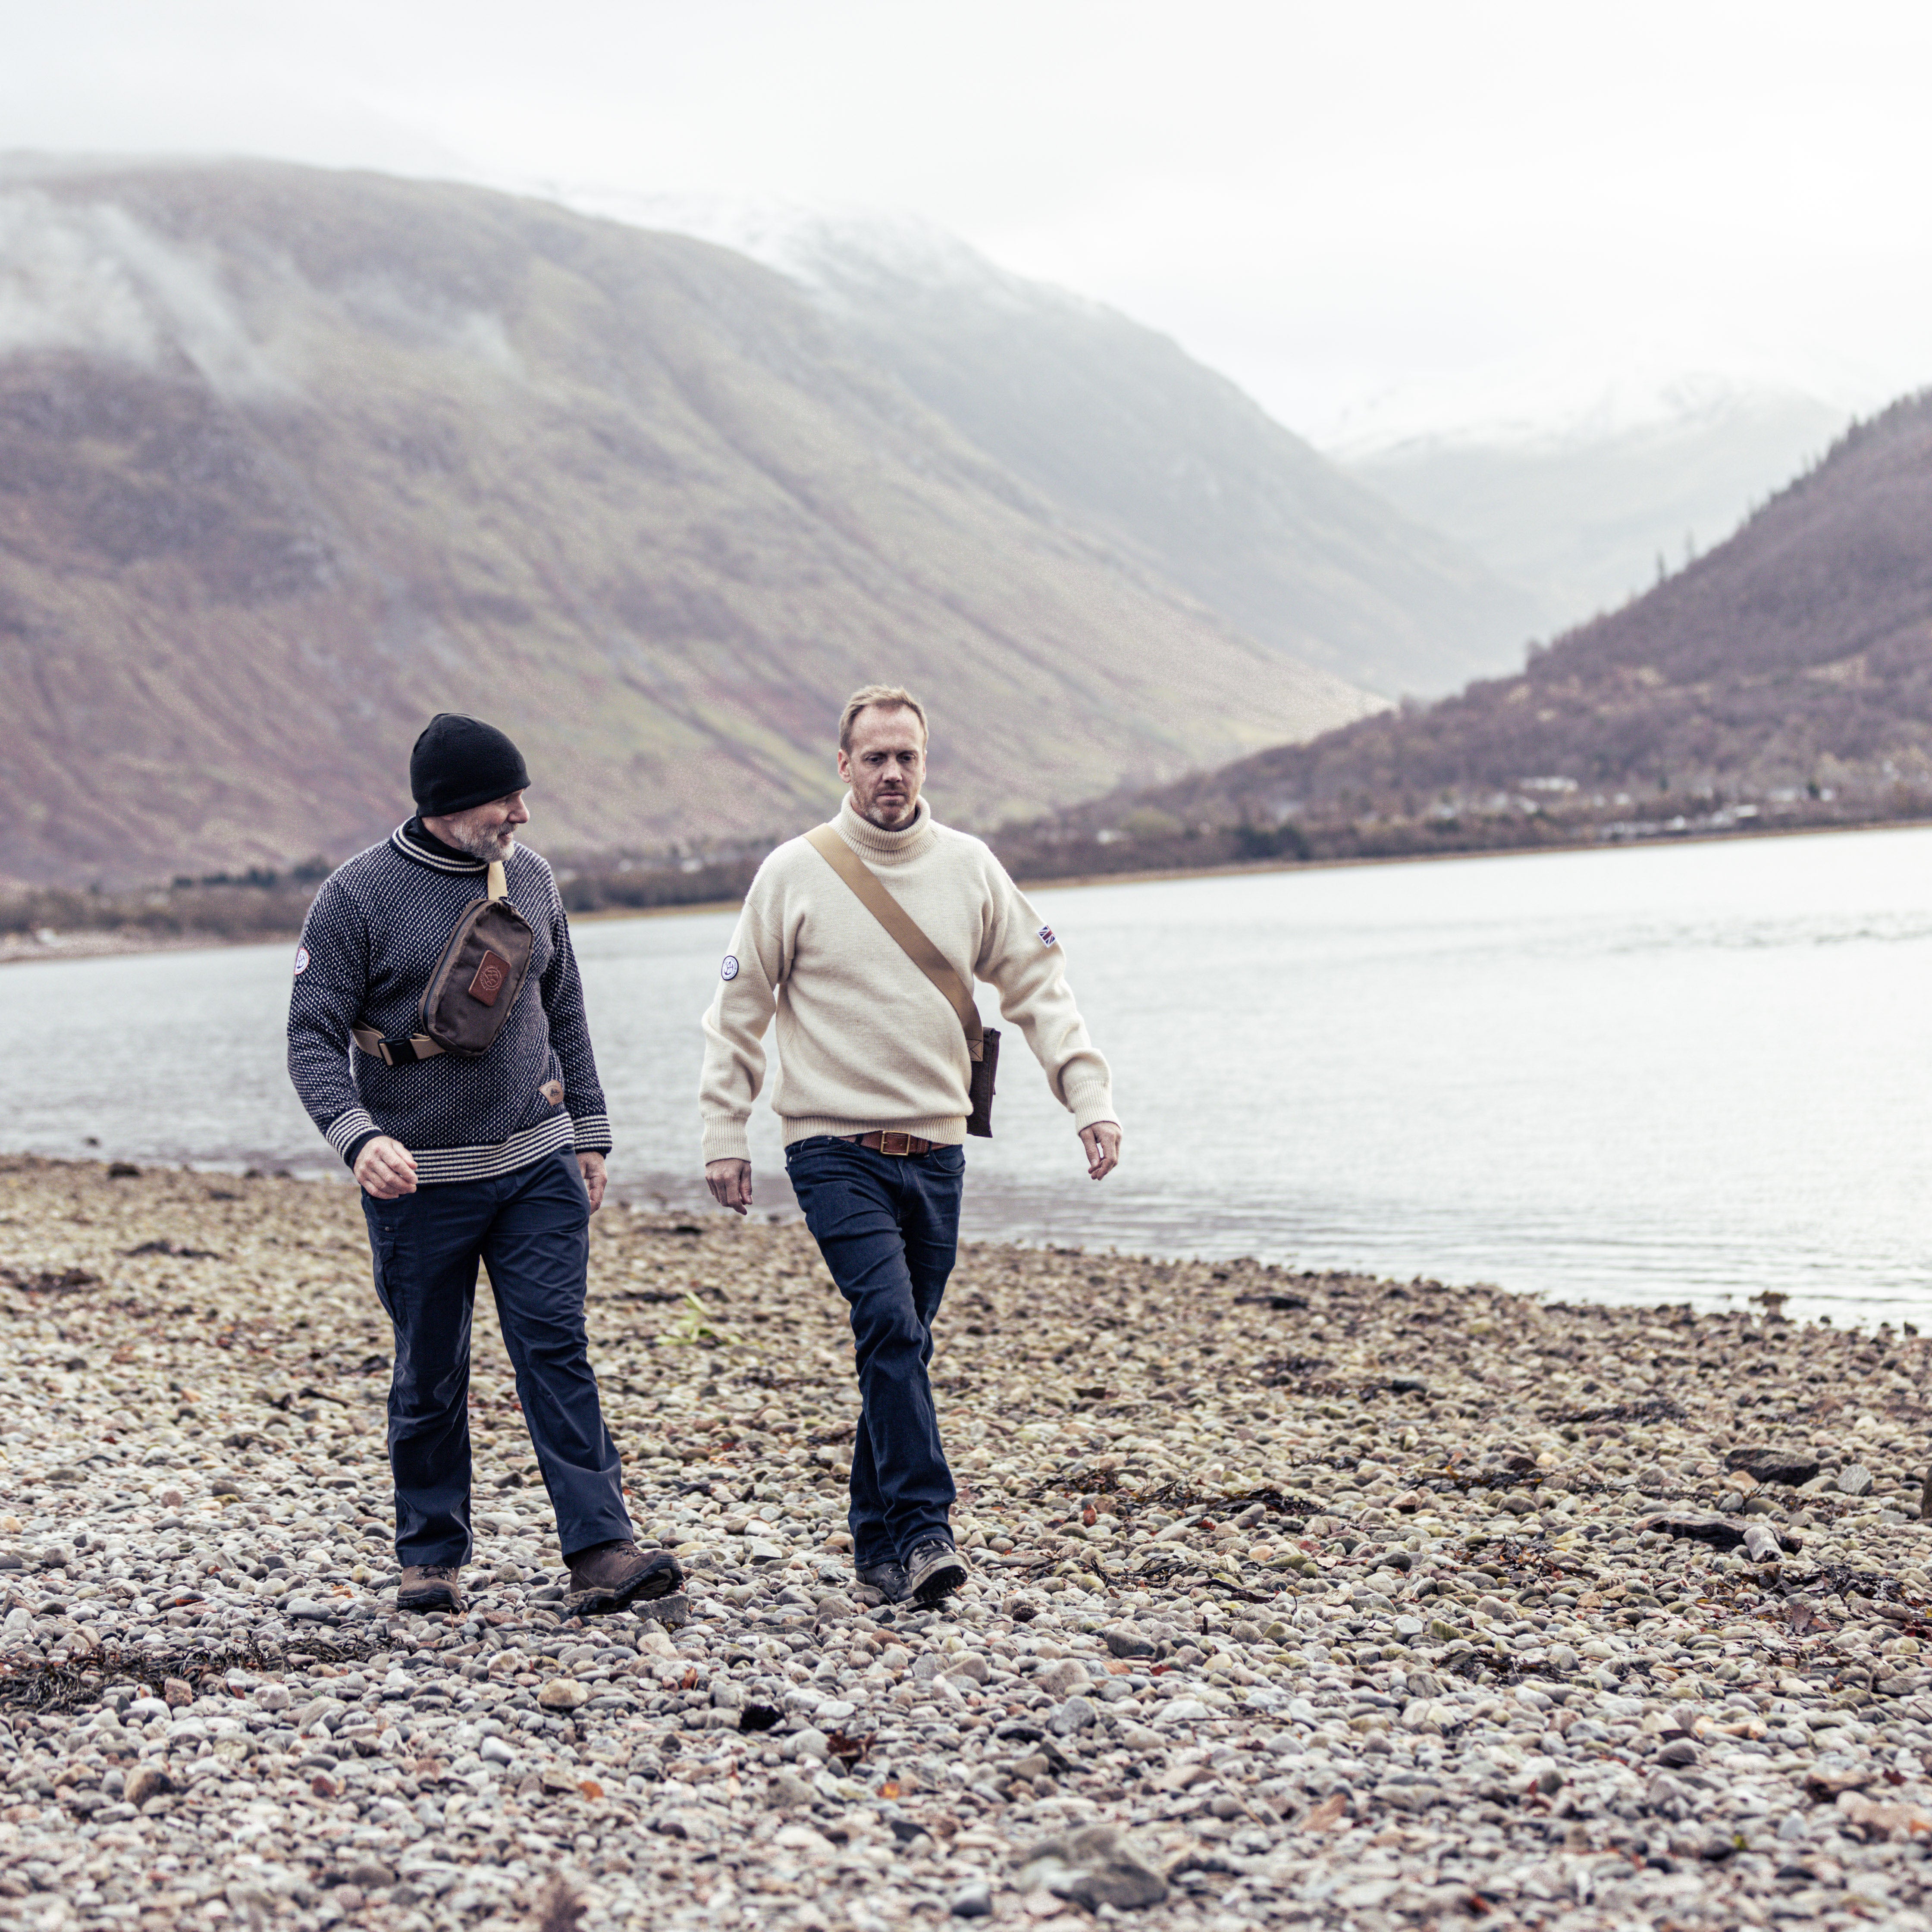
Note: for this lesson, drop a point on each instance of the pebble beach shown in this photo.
(1298, 1599)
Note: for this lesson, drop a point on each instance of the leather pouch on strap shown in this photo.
(983, 1042)
(474, 985)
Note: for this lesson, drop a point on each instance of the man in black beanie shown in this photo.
(495, 1156)
(461, 763)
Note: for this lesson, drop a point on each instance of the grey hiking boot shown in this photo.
(933, 1570)
(611, 1577)
(426, 1587)
(881, 1583)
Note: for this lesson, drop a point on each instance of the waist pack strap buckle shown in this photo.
(401, 1052)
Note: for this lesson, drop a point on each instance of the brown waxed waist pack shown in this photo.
(983, 1042)
(474, 985)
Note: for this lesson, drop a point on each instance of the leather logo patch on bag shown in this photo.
(489, 980)
(552, 1091)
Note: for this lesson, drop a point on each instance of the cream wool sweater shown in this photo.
(865, 1040)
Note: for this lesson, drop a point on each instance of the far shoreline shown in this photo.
(1356, 861)
(21, 949)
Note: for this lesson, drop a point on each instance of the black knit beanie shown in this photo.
(460, 762)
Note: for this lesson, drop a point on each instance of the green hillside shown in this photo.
(289, 460)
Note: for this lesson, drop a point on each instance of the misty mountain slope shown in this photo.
(1117, 423)
(289, 460)
(1582, 514)
(1793, 662)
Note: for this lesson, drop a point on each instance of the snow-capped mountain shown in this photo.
(1585, 494)
(1559, 491)
(1130, 436)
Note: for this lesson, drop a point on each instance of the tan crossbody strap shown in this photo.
(893, 916)
(496, 886)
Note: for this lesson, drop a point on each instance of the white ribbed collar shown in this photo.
(437, 861)
(877, 847)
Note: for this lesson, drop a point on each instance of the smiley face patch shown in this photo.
(729, 970)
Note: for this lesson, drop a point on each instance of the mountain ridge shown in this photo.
(1783, 678)
(289, 460)
(1173, 460)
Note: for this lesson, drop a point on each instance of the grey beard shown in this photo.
(485, 845)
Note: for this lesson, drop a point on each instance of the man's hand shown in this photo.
(592, 1165)
(1102, 1143)
(386, 1169)
(729, 1182)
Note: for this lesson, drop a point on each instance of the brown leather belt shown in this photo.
(880, 1142)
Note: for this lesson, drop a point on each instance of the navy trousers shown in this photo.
(889, 1229)
(531, 1230)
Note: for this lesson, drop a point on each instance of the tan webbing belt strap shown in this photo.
(421, 1046)
(495, 885)
(897, 921)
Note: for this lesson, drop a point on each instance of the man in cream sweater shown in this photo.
(872, 1091)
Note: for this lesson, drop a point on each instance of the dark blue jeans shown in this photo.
(531, 1230)
(889, 1228)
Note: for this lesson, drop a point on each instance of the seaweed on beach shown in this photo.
(1486, 1666)
(1656, 1408)
(1519, 1559)
(1506, 1471)
(1876, 1587)
(31, 1682)
(69, 1281)
(1278, 1370)
(1160, 1566)
(1297, 1372)
(1092, 1482)
(1276, 1502)
(769, 1378)
(1178, 1496)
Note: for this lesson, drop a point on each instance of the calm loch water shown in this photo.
(1689, 1073)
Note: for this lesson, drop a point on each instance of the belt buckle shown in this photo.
(904, 1147)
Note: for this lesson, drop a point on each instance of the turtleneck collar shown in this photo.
(416, 841)
(879, 847)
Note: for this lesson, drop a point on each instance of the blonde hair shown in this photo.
(887, 697)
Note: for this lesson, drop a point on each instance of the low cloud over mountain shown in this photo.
(1579, 506)
(1118, 425)
(289, 460)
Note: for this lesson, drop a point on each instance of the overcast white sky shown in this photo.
(1453, 205)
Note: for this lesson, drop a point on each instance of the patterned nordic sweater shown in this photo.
(370, 941)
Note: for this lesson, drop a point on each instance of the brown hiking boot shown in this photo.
(613, 1575)
(426, 1587)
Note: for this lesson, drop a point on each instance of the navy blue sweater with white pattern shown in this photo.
(369, 945)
